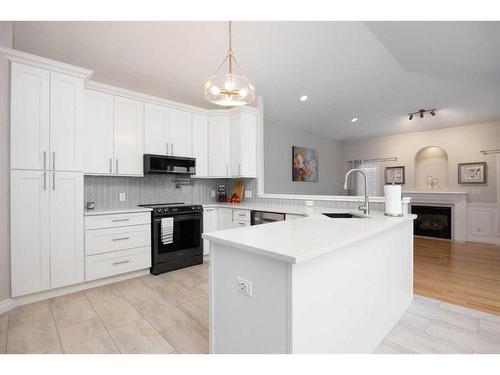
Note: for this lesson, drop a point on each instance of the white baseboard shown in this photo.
(10, 303)
(7, 305)
(484, 239)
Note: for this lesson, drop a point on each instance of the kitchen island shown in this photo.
(311, 285)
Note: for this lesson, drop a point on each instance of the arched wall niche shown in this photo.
(431, 161)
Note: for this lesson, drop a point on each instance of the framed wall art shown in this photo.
(395, 175)
(472, 173)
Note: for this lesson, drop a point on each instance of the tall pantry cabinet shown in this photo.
(46, 175)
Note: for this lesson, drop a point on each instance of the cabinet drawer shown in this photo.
(240, 223)
(293, 217)
(115, 263)
(106, 240)
(241, 215)
(117, 220)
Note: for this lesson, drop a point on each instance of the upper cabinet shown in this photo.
(219, 145)
(244, 143)
(128, 136)
(167, 131)
(200, 144)
(46, 119)
(98, 135)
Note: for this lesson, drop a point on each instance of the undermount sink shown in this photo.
(343, 215)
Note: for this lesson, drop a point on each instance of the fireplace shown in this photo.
(432, 221)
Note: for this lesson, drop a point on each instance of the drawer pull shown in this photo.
(115, 220)
(121, 238)
(121, 262)
(242, 215)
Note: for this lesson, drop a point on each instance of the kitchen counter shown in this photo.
(113, 211)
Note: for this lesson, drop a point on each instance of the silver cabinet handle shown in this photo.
(115, 220)
(54, 160)
(116, 166)
(44, 180)
(54, 181)
(121, 238)
(121, 262)
(239, 169)
(45, 160)
(167, 148)
(227, 170)
(111, 165)
(172, 148)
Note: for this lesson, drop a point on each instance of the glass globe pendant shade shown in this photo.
(229, 90)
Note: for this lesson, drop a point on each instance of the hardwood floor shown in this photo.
(462, 273)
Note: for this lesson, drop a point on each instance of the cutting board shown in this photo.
(239, 188)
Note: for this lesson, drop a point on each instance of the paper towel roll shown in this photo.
(393, 206)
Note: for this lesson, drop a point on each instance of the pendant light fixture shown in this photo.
(229, 89)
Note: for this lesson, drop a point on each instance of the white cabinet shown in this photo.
(46, 230)
(167, 131)
(128, 136)
(46, 119)
(30, 248)
(219, 145)
(200, 144)
(29, 131)
(209, 225)
(180, 133)
(98, 133)
(244, 143)
(293, 217)
(66, 117)
(224, 218)
(66, 229)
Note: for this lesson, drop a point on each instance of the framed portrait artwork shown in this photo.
(472, 173)
(304, 164)
(395, 175)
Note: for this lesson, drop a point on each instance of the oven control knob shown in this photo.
(198, 207)
(193, 208)
(165, 210)
(158, 210)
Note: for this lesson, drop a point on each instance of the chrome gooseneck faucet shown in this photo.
(366, 207)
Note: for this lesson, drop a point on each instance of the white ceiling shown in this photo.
(376, 71)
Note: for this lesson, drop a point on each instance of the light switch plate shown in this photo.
(212, 193)
(309, 203)
(123, 197)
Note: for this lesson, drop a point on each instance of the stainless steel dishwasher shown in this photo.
(264, 217)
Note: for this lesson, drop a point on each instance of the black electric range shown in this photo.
(181, 244)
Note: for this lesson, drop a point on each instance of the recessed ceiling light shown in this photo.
(354, 119)
(303, 98)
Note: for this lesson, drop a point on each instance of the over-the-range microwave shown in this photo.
(169, 164)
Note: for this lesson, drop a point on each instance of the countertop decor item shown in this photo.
(472, 173)
(393, 205)
(229, 89)
(304, 164)
(429, 182)
(395, 175)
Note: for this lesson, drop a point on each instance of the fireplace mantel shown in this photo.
(455, 199)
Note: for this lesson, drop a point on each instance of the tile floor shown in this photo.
(169, 314)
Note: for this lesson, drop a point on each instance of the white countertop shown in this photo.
(114, 211)
(299, 240)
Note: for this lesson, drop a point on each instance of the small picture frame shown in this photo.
(472, 173)
(395, 175)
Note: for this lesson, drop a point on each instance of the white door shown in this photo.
(155, 129)
(66, 229)
(218, 146)
(98, 133)
(200, 144)
(180, 133)
(29, 131)
(66, 118)
(29, 211)
(224, 218)
(209, 225)
(129, 136)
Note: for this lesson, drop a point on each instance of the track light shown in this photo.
(421, 113)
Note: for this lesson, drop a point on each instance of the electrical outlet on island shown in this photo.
(248, 193)
(244, 286)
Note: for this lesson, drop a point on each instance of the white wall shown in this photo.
(5, 40)
(462, 144)
(278, 142)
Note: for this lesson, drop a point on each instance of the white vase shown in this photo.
(429, 182)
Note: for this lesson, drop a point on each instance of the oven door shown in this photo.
(186, 238)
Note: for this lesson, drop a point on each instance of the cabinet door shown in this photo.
(225, 218)
(244, 144)
(155, 129)
(98, 133)
(218, 146)
(129, 136)
(29, 130)
(180, 133)
(29, 212)
(66, 228)
(66, 118)
(200, 144)
(209, 225)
